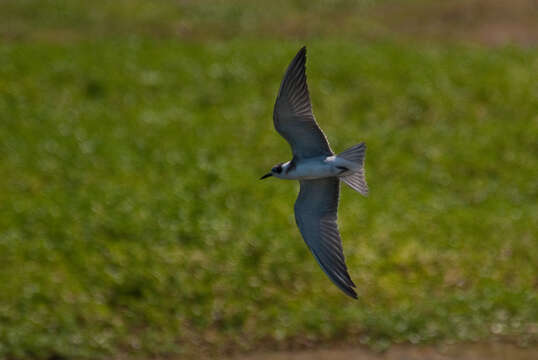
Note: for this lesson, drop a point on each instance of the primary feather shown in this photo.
(293, 117)
(316, 213)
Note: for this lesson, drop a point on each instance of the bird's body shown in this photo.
(315, 168)
(319, 172)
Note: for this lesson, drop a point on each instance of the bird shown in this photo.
(319, 172)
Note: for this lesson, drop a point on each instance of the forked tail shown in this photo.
(355, 178)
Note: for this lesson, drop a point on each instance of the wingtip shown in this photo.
(301, 52)
(351, 293)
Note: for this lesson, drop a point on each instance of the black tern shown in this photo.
(319, 172)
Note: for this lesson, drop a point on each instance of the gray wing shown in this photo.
(292, 115)
(315, 213)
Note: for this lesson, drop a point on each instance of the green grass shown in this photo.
(132, 223)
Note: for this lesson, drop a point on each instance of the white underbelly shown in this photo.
(314, 169)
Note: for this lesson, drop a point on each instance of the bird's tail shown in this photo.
(355, 178)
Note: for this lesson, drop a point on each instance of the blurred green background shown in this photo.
(132, 135)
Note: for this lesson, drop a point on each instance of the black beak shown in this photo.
(266, 176)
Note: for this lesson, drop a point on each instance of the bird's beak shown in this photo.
(266, 176)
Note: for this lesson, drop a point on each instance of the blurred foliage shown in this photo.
(132, 220)
(67, 20)
(491, 22)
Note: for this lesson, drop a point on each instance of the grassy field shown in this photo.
(132, 222)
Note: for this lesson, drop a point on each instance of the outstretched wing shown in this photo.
(315, 213)
(292, 115)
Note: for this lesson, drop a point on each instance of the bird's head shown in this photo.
(275, 171)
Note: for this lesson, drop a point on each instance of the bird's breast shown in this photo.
(314, 168)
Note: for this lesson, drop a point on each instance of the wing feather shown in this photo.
(293, 117)
(316, 214)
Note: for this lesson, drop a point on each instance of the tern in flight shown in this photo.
(319, 172)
